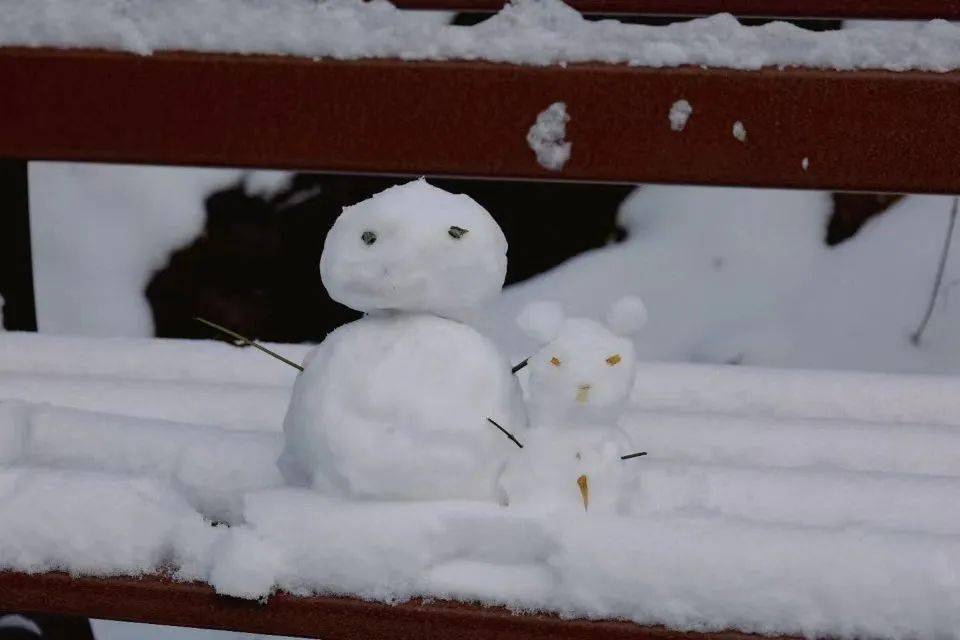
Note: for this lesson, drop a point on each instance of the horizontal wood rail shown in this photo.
(865, 130)
(155, 600)
(828, 9)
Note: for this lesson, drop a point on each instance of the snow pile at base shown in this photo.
(744, 276)
(93, 523)
(697, 571)
(547, 137)
(815, 503)
(526, 31)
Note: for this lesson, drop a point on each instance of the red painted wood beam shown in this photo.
(867, 130)
(155, 600)
(828, 9)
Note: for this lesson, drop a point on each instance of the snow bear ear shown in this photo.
(627, 316)
(541, 320)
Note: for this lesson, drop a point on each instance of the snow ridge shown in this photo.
(537, 32)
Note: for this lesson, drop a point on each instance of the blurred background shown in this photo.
(736, 276)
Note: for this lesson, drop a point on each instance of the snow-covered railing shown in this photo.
(886, 9)
(807, 128)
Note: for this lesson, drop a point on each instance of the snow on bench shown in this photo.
(774, 501)
(538, 32)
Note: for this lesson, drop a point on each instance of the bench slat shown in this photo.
(156, 600)
(865, 130)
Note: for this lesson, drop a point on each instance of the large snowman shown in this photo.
(395, 405)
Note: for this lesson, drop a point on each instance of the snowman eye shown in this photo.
(614, 359)
(555, 361)
(368, 237)
(457, 232)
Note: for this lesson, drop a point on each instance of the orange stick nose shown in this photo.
(584, 490)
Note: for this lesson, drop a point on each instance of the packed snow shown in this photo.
(547, 137)
(680, 112)
(739, 131)
(539, 32)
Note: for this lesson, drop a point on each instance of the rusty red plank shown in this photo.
(157, 600)
(867, 130)
(878, 9)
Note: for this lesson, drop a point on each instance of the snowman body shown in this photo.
(547, 476)
(580, 380)
(395, 405)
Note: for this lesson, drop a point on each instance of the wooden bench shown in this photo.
(864, 130)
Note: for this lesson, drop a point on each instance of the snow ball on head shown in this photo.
(417, 248)
(541, 320)
(627, 316)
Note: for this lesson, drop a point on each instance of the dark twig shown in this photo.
(505, 432)
(520, 365)
(633, 455)
(247, 341)
(915, 338)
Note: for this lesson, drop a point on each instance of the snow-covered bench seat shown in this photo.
(778, 502)
(785, 502)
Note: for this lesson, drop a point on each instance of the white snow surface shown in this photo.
(527, 31)
(818, 503)
(547, 137)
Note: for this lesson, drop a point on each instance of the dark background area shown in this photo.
(254, 268)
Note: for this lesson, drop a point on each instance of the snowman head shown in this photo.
(584, 370)
(414, 247)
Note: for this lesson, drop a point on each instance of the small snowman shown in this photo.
(395, 405)
(575, 457)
